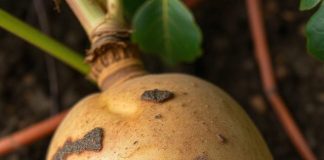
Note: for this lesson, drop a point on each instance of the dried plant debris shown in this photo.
(92, 141)
(157, 96)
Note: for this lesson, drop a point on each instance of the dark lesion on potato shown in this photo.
(92, 141)
(157, 96)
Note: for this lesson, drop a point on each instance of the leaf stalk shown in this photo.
(42, 41)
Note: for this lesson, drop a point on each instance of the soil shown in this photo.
(35, 86)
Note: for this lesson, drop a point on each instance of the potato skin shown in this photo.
(201, 122)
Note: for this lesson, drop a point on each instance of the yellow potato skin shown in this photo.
(201, 122)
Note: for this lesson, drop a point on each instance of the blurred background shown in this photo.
(34, 86)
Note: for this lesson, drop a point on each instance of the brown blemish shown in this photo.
(221, 139)
(159, 116)
(157, 96)
(92, 141)
(203, 156)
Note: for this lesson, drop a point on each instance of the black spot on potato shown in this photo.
(92, 141)
(157, 96)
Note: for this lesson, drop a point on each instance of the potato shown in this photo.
(158, 117)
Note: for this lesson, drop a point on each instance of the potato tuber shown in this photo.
(141, 116)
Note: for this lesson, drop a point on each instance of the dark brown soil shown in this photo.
(28, 91)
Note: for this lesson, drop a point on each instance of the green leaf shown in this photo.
(167, 28)
(131, 6)
(315, 34)
(308, 4)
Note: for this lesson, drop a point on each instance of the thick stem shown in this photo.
(118, 64)
(114, 22)
(115, 13)
(112, 57)
(89, 12)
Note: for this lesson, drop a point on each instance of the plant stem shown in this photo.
(269, 83)
(30, 134)
(89, 12)
(40, 40)
(115, 13)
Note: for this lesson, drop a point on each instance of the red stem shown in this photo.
(30, 135)
(269, 83)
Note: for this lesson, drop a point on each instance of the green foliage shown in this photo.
(315, 34)
(167, 28)
(308, 4)
(315, 28)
